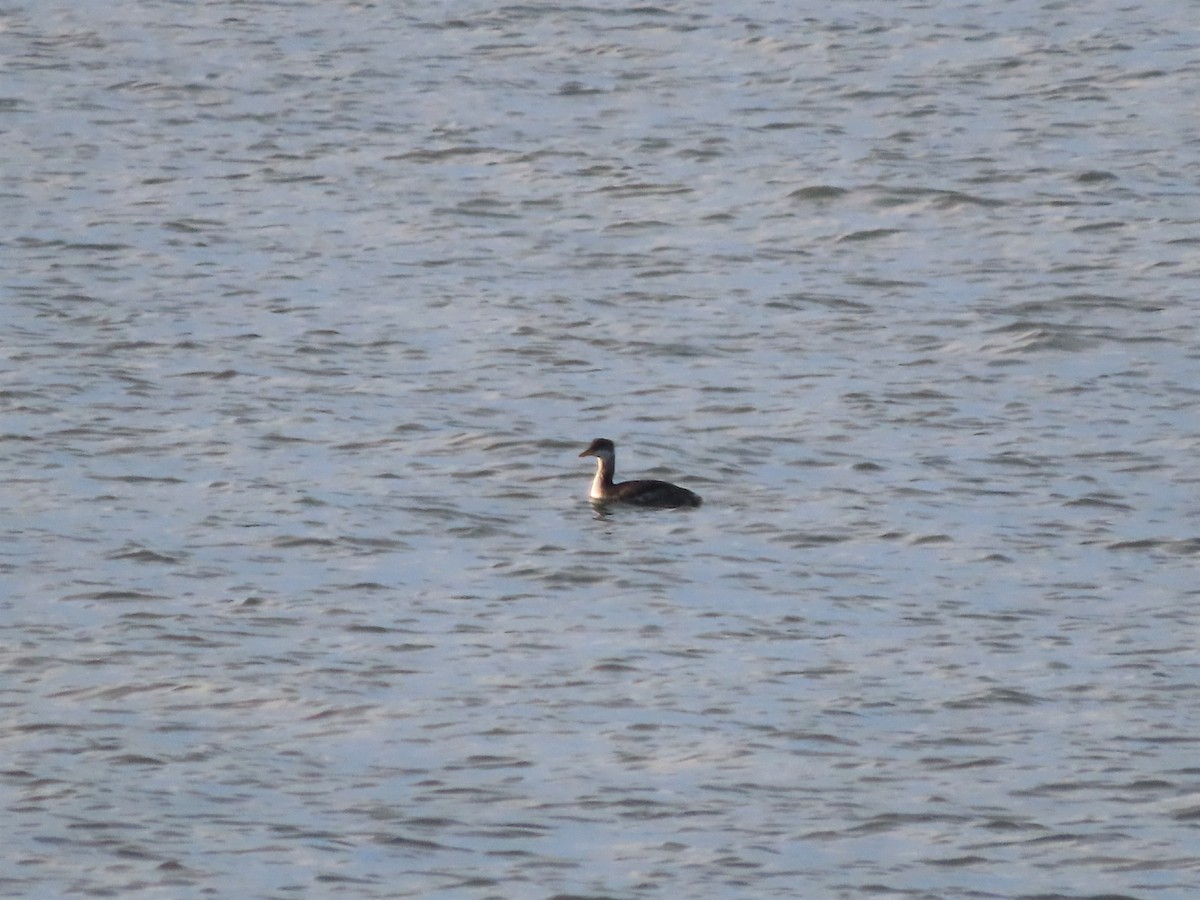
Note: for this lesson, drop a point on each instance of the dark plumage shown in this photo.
(645, 492)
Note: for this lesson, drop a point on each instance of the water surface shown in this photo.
(309, 308)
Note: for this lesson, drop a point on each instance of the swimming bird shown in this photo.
(645, 492)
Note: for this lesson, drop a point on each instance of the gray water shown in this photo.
(309, 307)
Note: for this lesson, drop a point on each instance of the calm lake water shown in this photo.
(309, 307)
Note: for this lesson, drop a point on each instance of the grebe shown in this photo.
(642, 493)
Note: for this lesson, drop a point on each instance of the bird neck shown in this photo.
(605, 466)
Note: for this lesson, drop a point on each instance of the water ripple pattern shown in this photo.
(309, 308)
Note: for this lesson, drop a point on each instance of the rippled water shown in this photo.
(309, 308)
